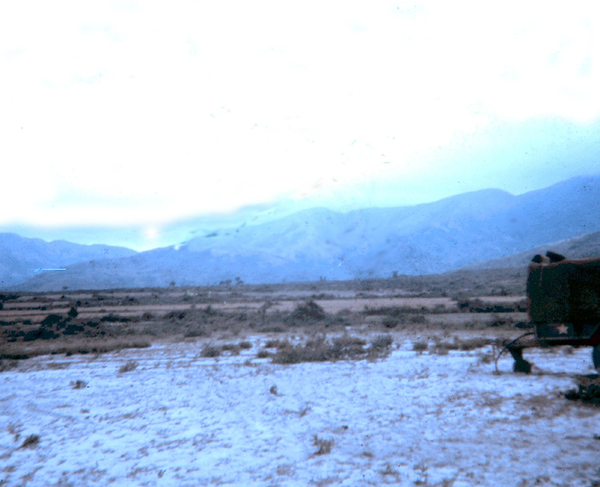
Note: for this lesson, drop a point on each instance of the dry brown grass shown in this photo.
(128, 367)
(399, 317)
(324, 446)
(6, 364)
(210, 351)
(30, 442)
(467, 344)
(159, 315)
(263, 353)
(23, 350)
(323, 349)
(78, 384)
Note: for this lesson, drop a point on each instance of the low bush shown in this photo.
(380, 346)
(231, 348)
(30, 442)
(474, 343)
(306, 313)
(420, 346)
(24, 350)
(128, 367)
(442, 348)
(210, 351)
(322, 349)
(324, 446)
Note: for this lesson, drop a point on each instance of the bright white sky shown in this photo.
(142, 113)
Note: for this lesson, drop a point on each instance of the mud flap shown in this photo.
(596, 356)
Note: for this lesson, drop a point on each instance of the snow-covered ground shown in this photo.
(411, 419)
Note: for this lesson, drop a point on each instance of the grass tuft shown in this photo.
(210, 351)
(79, 384)
(322, 349)
(324, 446)
(30, 442)
(128, 367)
(381, 346)
(263, 353)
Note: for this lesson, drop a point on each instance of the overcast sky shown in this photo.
(137, 114)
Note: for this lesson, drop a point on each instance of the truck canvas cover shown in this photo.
(565, 292)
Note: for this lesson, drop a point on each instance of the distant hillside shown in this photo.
(574, 248)
(320, 244)
(21, 257)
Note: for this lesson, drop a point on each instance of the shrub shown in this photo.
(79, 384)
(485, 358)
(442, 348)
(307, 313)
(380, 346)
(420, 346)
(128, 367)
(231, 347)
(390, 322)
(342, 348)
(263, 353)
(324, 446)
(474, 343)
(195, 332)
(381, 341)
(31, 441)
(210, 351)
(114, 319)
(245, 345)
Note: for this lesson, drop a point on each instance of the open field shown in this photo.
(275, 386)
(173, 417)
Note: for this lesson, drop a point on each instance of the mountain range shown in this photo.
(22, 258)
(462, 231)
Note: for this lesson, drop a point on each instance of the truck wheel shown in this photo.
(596, 356)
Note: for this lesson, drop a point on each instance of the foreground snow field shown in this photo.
(411, 419)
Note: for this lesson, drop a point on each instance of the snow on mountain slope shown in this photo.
(319, 243)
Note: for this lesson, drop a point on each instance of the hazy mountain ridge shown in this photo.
(20, 257)
(432, 238)
(583, 247)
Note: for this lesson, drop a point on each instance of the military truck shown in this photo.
(563, 304)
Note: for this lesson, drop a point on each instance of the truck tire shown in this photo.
(596, 356)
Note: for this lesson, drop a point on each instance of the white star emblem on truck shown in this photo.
(562, 329)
